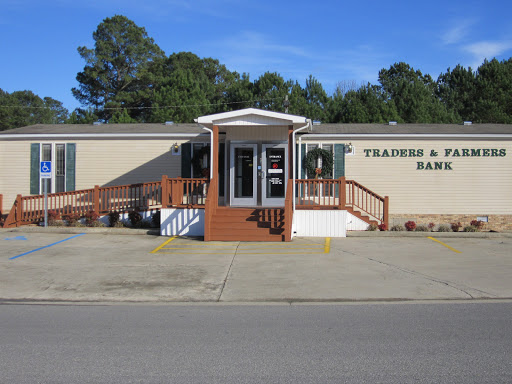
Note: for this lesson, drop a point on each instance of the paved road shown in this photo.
(114, 268)
(384, 343)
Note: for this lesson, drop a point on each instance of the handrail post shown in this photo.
(96, 199)
(19, 210)
(386, 211)
(165, 192)
(343, 192)
(288, 212)
(177, 191)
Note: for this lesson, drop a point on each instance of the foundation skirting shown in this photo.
(498, 223)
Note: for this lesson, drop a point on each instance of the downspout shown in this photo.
(211, 149)
(294, 160)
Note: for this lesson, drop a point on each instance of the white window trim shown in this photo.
(54, 165)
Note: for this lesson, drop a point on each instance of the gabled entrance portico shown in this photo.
(258, 153)
(257, 171)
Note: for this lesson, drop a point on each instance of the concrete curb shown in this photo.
(156, 232)
(472, 235)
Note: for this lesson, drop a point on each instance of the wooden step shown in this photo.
(224, 218)
(246, 237)
(248, 230)
(248, 224)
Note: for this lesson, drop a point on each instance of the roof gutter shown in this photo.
(96, 135)
(308, 125)
(408, 135)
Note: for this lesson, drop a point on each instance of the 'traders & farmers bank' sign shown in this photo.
(436, 165)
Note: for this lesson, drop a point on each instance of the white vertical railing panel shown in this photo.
(320, 223)
(181, 222)
(354, 223)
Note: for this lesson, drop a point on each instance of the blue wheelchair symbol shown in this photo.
(46, 166)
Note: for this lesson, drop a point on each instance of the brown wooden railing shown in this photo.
(288, 211)
(210, 208)
(341, 194)
(121, 198)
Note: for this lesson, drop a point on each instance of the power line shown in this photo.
(152, 107)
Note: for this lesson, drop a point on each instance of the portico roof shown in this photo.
(251, 117)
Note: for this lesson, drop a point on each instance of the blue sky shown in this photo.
(332, 40)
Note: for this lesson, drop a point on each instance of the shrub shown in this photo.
(443, 228)
(72, 219)
(410, 225)
(119, 224)
(146, 223)
(383, 227)
(155, 219)
(135, 218)
(456, 226)
(97, 223)
(372, 227)
(90, 218)
(113, 218)
(53, 216)
(398, 228)
(477, 224)
(422, 228)
(431, 226)
(470, 228)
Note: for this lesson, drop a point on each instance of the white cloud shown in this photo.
(487, 50)
(256, 53)
(457, 33)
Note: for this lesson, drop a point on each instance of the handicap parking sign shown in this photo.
(46, 170)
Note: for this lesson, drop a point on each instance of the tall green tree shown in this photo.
(414, 95)
(494, 92)
(23, 108)
(119, 69)
(457, 90)
(270, 90)
(240, 92)
(82, 116)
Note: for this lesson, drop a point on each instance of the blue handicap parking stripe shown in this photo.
(46, 246)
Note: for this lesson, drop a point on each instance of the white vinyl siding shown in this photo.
(475, 185)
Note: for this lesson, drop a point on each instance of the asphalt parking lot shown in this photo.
(92, 267)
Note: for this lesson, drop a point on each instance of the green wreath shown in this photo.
(197, 159)
(312, 160)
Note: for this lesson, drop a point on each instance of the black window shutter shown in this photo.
(339, 160)
(70, 166)
(34, 168)
(186, 160)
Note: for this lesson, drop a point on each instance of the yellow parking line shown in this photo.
(327, 247)
(275, 253)
(232, 248)
(446, 245)
(280, 248)
(164, 244)
(193, 253)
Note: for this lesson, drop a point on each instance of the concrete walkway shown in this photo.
(106, 265)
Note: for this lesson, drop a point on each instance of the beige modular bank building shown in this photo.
(287, 175)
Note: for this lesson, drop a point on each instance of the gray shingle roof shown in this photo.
(194, 129)
(401, 129)
(67, 129)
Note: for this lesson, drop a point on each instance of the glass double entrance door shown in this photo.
(258, 174)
